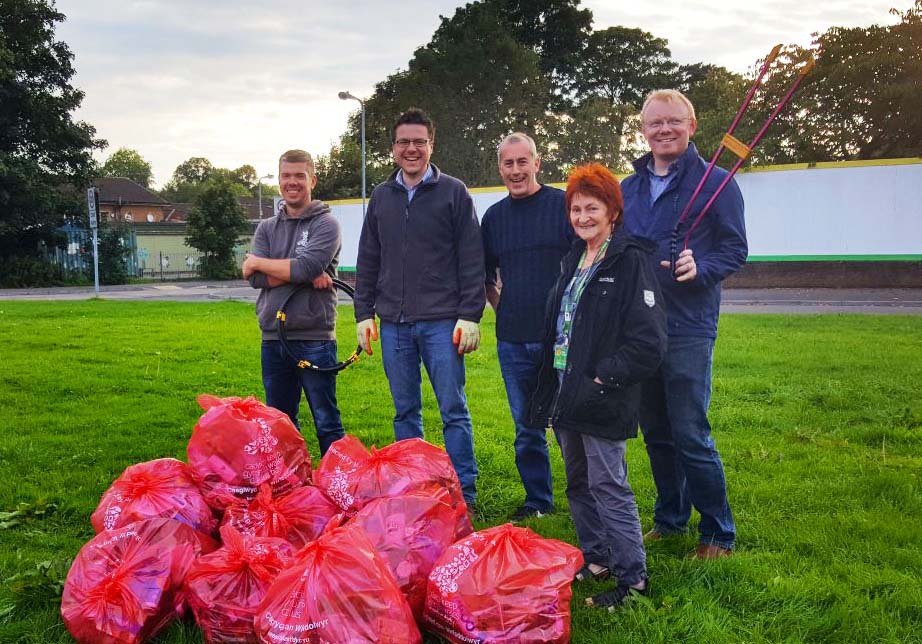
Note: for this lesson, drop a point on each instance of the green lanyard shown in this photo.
(571, 299)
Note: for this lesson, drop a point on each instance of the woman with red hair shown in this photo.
(605, 333)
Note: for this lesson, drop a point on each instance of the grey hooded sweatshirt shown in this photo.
(312, 242)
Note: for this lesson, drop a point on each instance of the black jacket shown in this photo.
(618, 335)
(422, 259)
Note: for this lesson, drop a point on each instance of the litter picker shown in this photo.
(737, 147)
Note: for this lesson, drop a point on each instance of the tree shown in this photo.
(194, 175)
(113, 254)
(188, 180)
(554, 30)
(45, 156)
(215, 225)
(584, 134)
(129, 164)
(339, 173)
(623, 65)
(478, 84)
(864, 94)
(193, 170)
(717, 94)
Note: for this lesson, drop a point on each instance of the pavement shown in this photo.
(777, 300)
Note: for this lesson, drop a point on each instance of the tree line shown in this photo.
(492, 67)
(538, 66)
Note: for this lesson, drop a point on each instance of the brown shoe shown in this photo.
(709, 551)
(653, 535)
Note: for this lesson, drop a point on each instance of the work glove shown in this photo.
(366, 330)
(467, 336)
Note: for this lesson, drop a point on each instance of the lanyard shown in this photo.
(570, 301)
(576, 287)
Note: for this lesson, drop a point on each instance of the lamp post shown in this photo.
(347, 96)
(259, 191)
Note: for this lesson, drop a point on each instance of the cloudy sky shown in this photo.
(239, 82)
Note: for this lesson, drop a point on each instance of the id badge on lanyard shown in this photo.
(560, 353)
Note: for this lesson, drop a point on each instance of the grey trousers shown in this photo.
(602, 505)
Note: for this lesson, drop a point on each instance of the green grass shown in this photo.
(818, 419)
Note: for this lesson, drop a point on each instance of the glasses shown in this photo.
(659, 124)
(405, 143)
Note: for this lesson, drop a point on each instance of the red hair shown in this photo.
(595, 180)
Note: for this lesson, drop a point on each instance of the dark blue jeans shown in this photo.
(686, 467)
(519, 363)
(283, 382)
(403, 346)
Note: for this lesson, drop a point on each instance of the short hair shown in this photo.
(298, 156)
(668, 96)
(414, 116)
(517, 137)
(595, 180)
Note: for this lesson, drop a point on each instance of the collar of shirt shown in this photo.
(412, 191)
(658, 184)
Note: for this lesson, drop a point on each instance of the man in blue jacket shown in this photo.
(420, 269)
(686, 466)
(525, 235)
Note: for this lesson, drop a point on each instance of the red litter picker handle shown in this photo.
(737, 147)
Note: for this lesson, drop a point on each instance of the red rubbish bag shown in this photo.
(336, 472)
(353, 476)
(160, 488)
(505, 585)
(410, 532)
(126, 584)
(225, 587)
(239, 444)
(337, 590)
(298, 516)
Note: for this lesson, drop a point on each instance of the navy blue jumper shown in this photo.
(718, 243)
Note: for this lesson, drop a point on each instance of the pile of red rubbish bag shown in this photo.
(255, 545)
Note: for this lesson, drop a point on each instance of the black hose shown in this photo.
(281, 318)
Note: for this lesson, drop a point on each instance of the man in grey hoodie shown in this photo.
(299, 245)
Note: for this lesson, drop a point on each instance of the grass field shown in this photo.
(818, 419)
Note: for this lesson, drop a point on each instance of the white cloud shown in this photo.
(241, 82)
(736, 35)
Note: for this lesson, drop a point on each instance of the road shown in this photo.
(781, 300)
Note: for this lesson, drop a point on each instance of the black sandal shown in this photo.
(586, 573)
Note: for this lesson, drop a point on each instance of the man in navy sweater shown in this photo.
(686, 467)
(524, 238)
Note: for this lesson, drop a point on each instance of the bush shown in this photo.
(21, 271)
(215, 224)
(113, 256)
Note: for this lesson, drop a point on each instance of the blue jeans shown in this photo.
(686, 467)
(283, 382)
(602, 505)
(403, 345)
(519, 363)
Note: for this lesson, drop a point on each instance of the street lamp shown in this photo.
(347, 96)
(259, 191)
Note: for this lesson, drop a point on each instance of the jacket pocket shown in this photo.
(596, 404)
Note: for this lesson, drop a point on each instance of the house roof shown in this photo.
(251, 206)
(119, 190)
(178, 212)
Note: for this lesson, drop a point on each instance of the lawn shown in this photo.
(818, 419)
